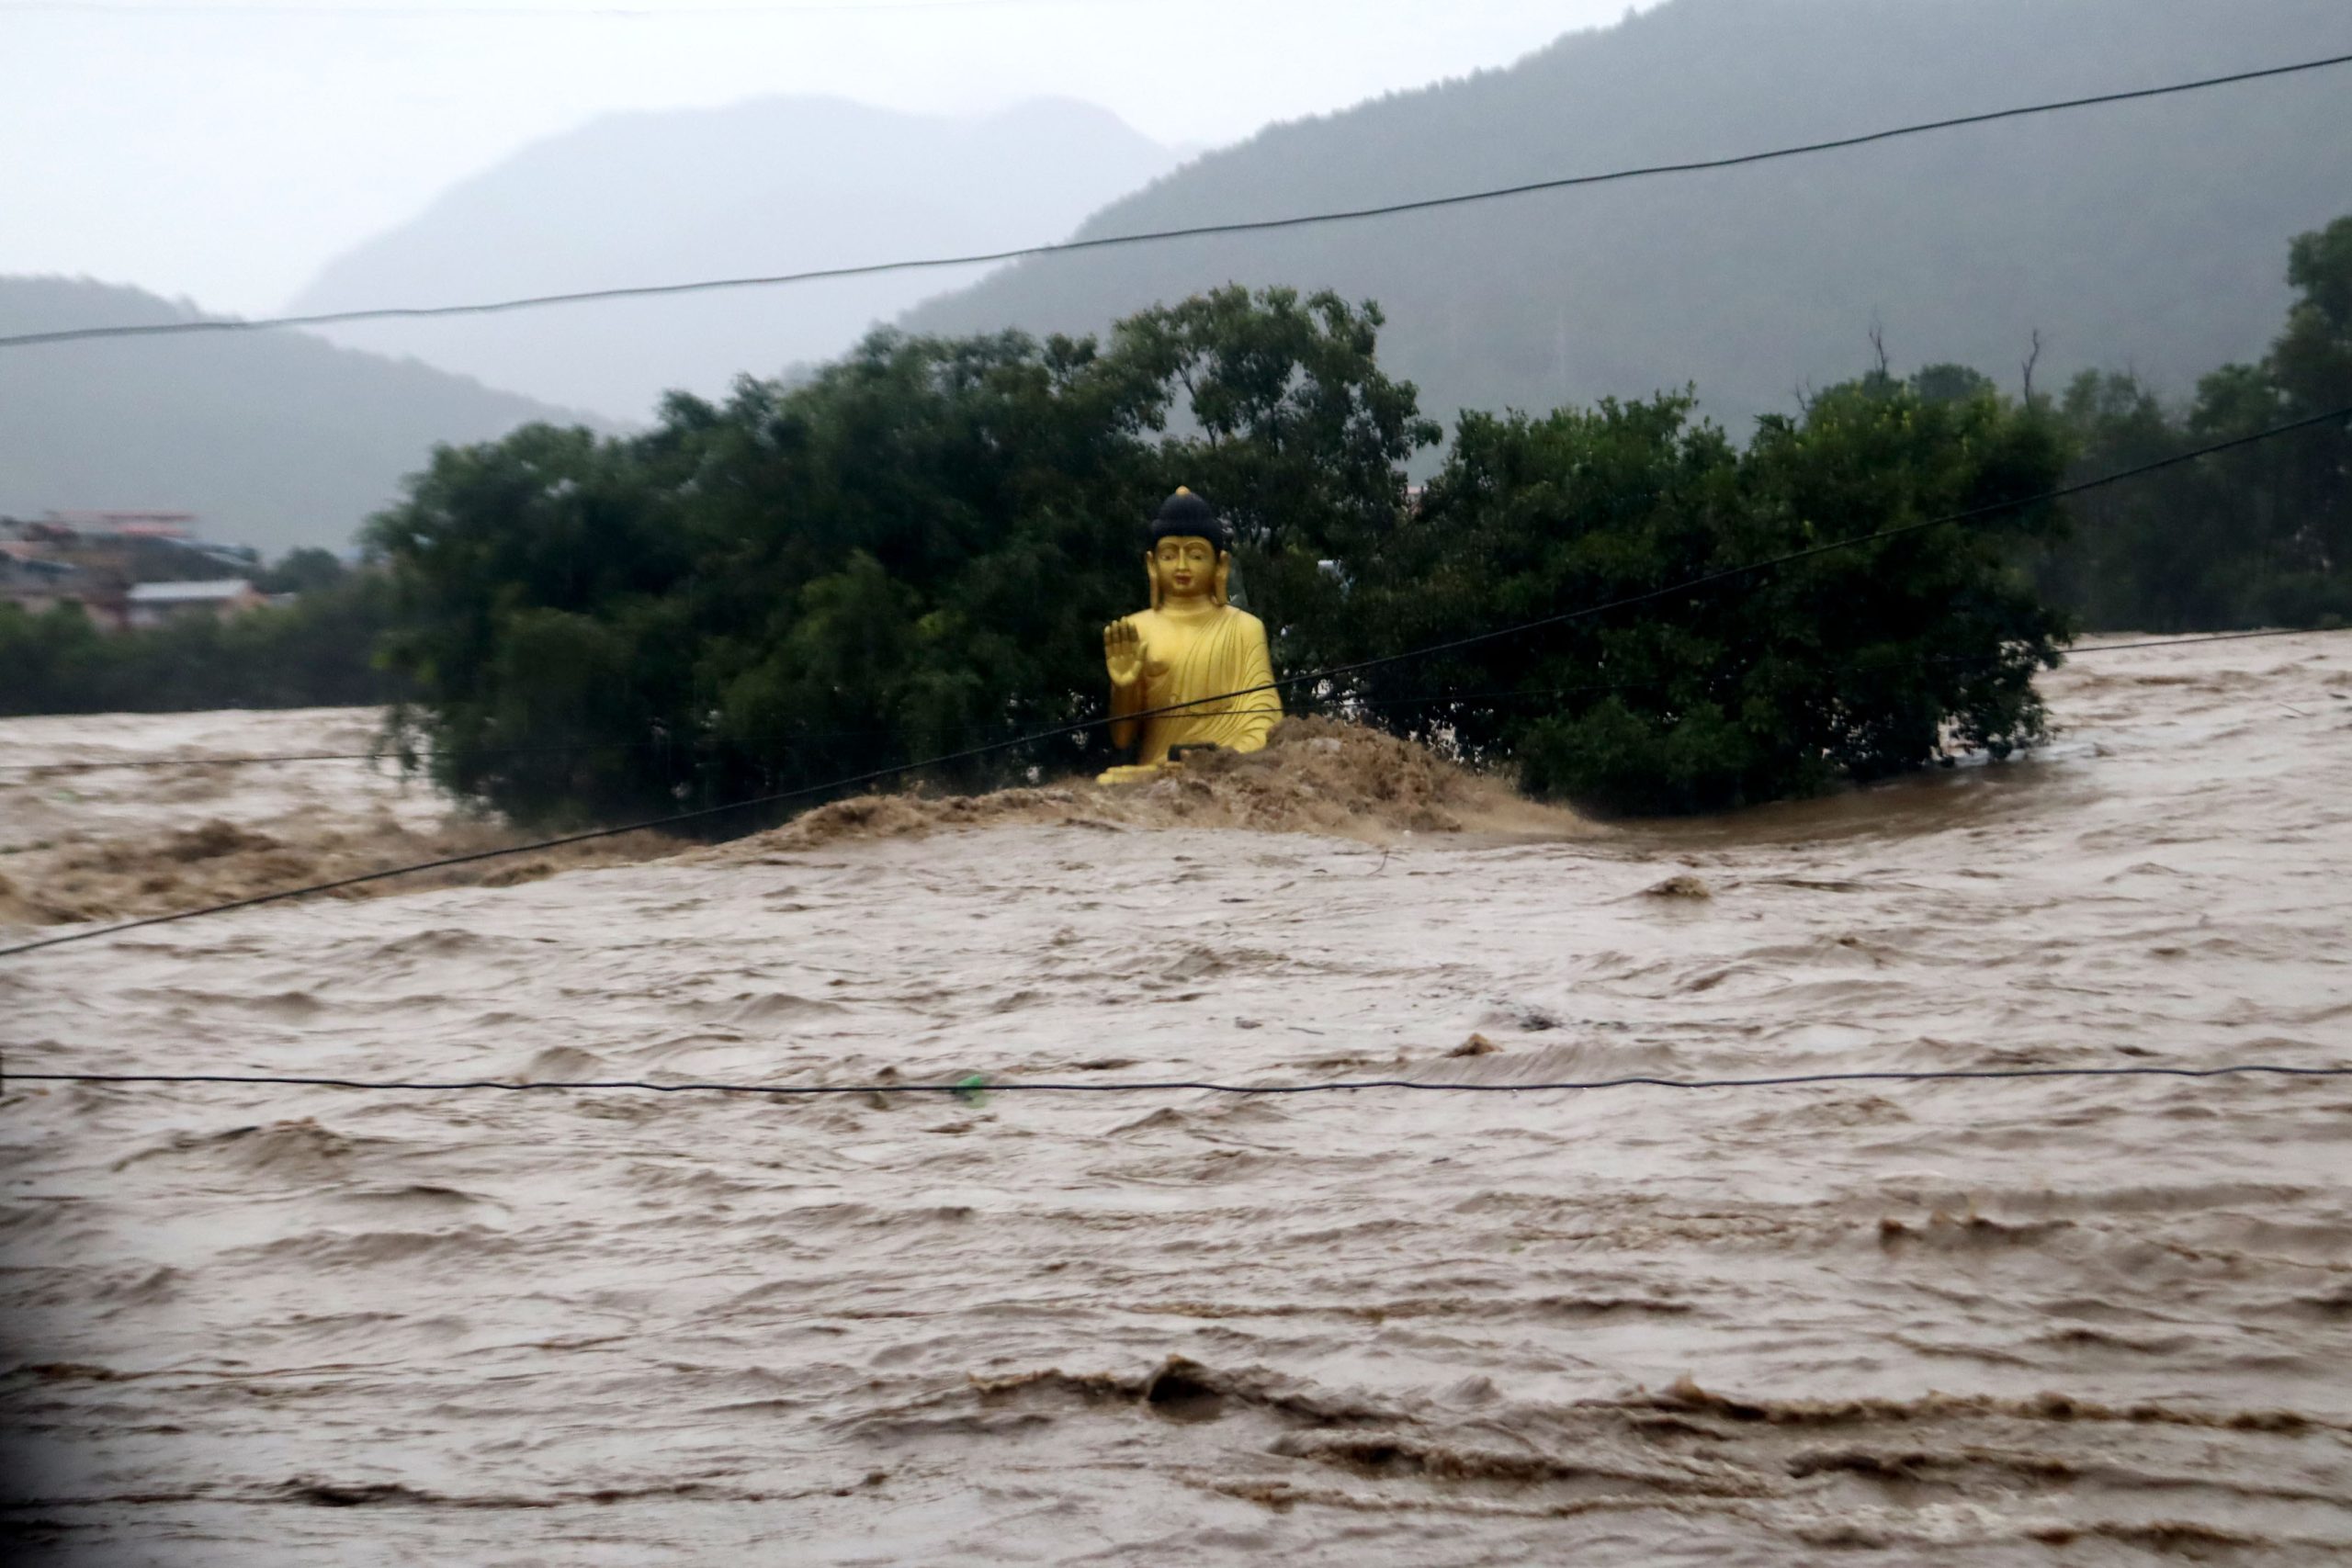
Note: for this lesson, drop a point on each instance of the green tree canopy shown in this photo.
(2258, 536)
(1862, 661)
(315, 652)
(909, 554)
(912, 554)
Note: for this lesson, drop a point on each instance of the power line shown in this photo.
(559, 12)
(977, 1085)
(550, 749)
(1432, 699)
(1242, 226)
(241, 761)
(1709, 579)
(1425, 699)
(1197, 705)
(238, 762)
(2209, 636)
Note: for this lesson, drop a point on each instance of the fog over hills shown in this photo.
(275, 439)
(776, 184)
(2151, 235)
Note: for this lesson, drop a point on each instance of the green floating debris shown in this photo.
(969, 1089)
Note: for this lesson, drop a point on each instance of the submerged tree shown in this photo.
(909, 553)
(2259, 535)
(1857, 661)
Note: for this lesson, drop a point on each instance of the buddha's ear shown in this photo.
(1224, 575)
(1152, 570)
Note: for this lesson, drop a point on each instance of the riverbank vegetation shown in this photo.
(319, 651)
(911, 552)
(2258, 537)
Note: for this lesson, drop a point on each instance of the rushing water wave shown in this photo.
(2080, 1322)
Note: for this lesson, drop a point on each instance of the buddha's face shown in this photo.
(1187, 566)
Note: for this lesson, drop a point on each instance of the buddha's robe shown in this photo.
(1188, 659)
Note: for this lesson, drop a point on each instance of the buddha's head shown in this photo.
(1190, 559)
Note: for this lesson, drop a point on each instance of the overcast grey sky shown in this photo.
(223, 150)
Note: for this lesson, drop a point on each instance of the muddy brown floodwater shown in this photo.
(2078, 1321)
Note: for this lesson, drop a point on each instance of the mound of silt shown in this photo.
(1316, 775)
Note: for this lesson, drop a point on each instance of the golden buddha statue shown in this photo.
(1191, 648)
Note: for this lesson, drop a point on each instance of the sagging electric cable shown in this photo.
(1428, 699)
(2205, 636)
(398, 755)
(1199, 705)
(758, 8)
(1553, 692)
(986, 1086)
(980, 1084)
(1156, 236)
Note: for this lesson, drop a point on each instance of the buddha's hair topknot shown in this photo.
(1186, 516)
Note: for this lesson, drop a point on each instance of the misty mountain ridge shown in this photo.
(770, 185)
(275, 439)
(2151, 234)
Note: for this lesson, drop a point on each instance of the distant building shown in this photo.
(156, 603)
(123, 525)
(127, 570)
(32, 582)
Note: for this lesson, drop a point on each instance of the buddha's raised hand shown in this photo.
(1123, 652)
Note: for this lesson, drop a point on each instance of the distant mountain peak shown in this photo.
(759, 187)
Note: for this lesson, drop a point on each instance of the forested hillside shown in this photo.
(2145, 235)
(275, 439)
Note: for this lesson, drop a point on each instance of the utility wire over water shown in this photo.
(558, 10)
(1247, 226)
(1959, 1328)
(1421, 700)
(1305, 678)
(2087, 1318)
(977, 1085)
